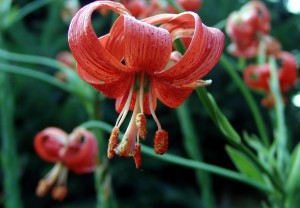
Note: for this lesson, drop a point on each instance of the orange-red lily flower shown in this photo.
(188, 5)
(135, 64)
(76, 152)
(247, 27)
(257, 76)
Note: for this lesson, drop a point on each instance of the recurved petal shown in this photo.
(146, 47)
(49, 142)
(202, 54)
(88, 51)
(113, 89)
(115, 43)
(170, 95)
(81, 154)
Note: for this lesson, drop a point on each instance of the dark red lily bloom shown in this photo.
(76, 152)
(247, 27)
(135, 65)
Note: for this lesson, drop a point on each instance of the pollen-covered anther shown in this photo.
(161, 142)
(113, 142)
(42, 188)
(140, 121)
(137, 156)
(59, 192)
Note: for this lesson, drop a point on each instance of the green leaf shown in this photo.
(293, 181)
(223, 122)
(265, 155)
(244, 165)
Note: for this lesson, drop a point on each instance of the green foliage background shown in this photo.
(159, 184)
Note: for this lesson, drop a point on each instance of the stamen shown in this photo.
(42, 188)
(113, 142)
(152, 110)
(126, 147)
(140, 121)
(137, 156)
(59, 192)
(125, 109)
(141, 99)
(161, 142)
(45, 184)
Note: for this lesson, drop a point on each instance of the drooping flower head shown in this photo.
(76, 152)
(136, 64)
(257, 76)
(246, 28)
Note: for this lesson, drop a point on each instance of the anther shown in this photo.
(59, 192)
(161, 142)
(137, 156)
(42, 188)
(113, 142)
(140, 121)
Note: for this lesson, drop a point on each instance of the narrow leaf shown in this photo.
(244, 165)
(293, 181)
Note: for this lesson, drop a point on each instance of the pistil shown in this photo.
(127, 145)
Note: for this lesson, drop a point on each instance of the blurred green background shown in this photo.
(38, 105)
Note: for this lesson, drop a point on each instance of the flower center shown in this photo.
(129, 145)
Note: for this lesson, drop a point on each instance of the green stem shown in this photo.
(176, 6)
(206, 167)
(213, 112)
(221, 24)
(34, 74)
(228, 66)
(280, 127)
(32, 59)
(101, 175)
(186, 162)
(30, 7)
(9, 156)
(261, 58)
(193, 149)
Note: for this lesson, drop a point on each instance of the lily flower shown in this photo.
(188, 5)
(136, 65)
(257, 77)
(76, 152)
(246, 28)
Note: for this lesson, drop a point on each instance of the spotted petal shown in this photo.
(146, 47)
(202, 54)
(89, 53)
